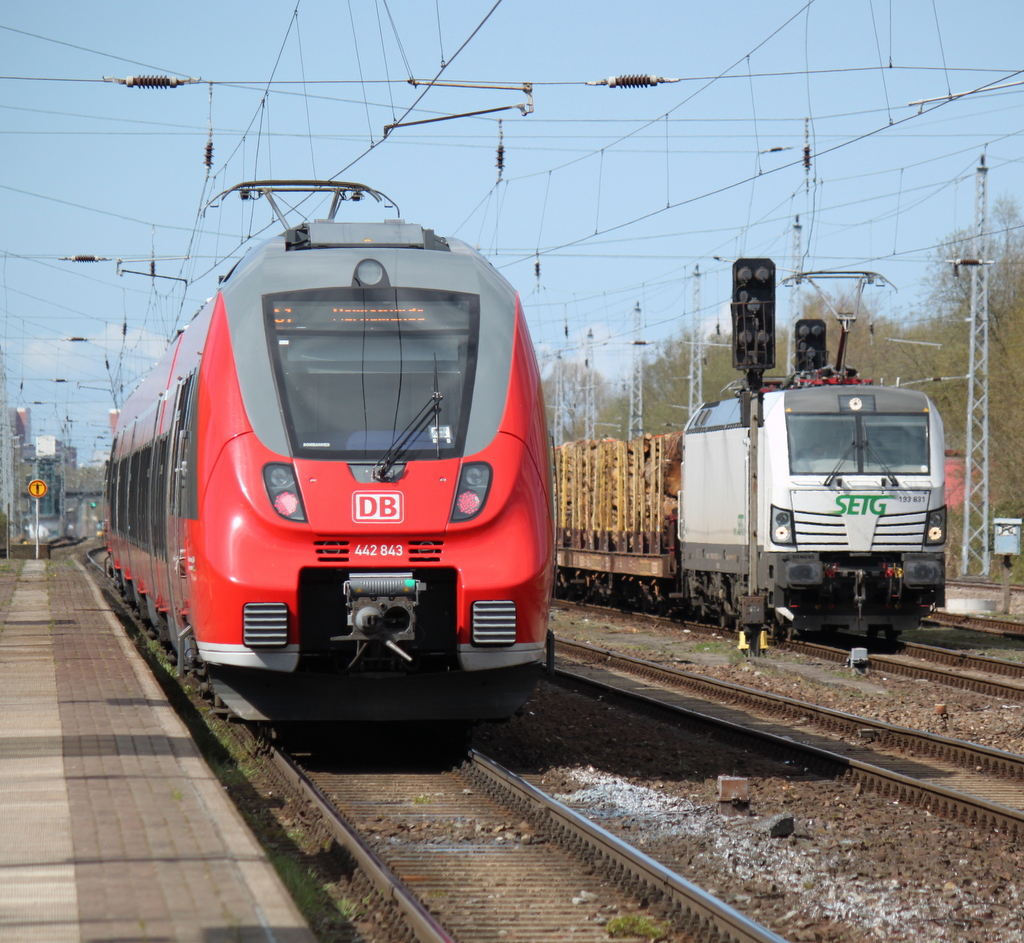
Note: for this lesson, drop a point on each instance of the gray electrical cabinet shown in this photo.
(1007, 535)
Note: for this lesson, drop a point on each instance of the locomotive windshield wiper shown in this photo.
(835, 471)
(871, 453)
(431, 410)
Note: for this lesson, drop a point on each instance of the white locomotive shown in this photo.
(845, 513)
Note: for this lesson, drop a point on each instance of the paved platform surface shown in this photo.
(112, 826)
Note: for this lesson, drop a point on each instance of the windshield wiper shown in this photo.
(839, 464)
(431, 410)
(871, 453)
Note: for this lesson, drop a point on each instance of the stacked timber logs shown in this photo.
(619, 497)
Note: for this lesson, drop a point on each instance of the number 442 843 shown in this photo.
(379, 550)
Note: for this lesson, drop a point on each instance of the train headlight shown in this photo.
(369, 272)
(782, 526)
(935, 527)
(283, 491)
(471, 492)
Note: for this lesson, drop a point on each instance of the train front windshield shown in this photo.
(359, 370)
(858, 443)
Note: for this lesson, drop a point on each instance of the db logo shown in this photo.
(384, 507)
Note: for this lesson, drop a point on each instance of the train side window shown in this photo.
(145, 473)
(189, 497)
(158, 492)
(123, 518)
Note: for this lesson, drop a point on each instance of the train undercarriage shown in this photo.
(869, 597)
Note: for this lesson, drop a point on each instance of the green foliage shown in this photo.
(636, 925)
(301, 882)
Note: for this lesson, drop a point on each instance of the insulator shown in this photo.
(500, 162)
(632, 81)
(536, 269)
(85, 258)
(152, 267)
(208, 160)
(152, 81)
(807, 157)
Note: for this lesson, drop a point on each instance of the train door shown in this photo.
(177, 513)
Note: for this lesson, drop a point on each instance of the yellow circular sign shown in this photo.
(37, 488)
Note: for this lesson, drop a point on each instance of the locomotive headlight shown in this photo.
(369, 272)
(283, 491)
(935, 528)
(471, 491)
(782, 526)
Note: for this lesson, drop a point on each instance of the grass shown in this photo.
(354, 909)
(636, 925)
(716, 648)
(302, 883)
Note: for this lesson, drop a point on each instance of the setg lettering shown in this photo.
(862, 503)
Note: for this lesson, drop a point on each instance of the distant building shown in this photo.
(21, 432)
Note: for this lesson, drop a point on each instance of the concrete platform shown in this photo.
(112, 826)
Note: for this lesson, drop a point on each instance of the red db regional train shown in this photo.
(331, 498)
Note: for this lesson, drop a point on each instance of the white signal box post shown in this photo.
(1007, 542)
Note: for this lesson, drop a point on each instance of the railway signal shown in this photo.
(753, 350)
(811, 353)
(753, 314)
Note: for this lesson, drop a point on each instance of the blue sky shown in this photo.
(617, 192)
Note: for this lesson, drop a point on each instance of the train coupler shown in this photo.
(382, 608)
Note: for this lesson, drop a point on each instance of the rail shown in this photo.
(423, 926)
(698, 907)
(886, 782)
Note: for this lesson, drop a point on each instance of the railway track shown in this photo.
(950, 669)
(1007, 628)
(512, 865)
(953, 676)
(955, 778)
(975, 584)
(492, 858)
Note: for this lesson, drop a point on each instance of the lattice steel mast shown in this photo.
(636, 386)
(696, 351)
(559, 424)
(589, 407)
(6, 451)
(975, 548)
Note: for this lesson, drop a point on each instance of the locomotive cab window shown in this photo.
(864, 443)
(356, 367)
